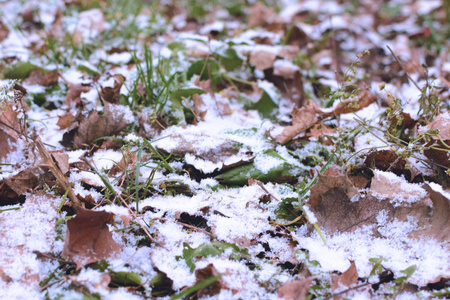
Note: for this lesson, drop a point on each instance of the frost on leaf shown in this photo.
(295, 290)
(302, 119)
(88, 238)
(114, 119)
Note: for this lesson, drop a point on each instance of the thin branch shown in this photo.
(347, 290)
(139, 221)
(60, 178)
(401, 65)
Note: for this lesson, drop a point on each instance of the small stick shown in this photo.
(139, 221)
(265, 190)
(401, 65)
(60, 178)
(189, 226)
(54, 258)
(347, 290)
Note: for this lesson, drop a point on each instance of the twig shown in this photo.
(401, 65)
(139, 221)
(189, 226)
(54, 258)
(265, 190)
(60, 178)
(347, 290)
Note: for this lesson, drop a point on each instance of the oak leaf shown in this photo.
(88, 238)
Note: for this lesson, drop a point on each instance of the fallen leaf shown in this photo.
(400, 201)
(4, 31)
(212, 289)
(37, 76)
(346, 279)
(259, 14)
(387, 185)
(114, 119)
(62, 161)
(297, 37)
(74, 92)
(112, 94)
(440, 220)
(262, 60)
(438, 153)
(295, 290)
(24, 181)
(302, 119)
(441, 123)
(88, 238)
(331, 184)
(65, 120)
(9, 128)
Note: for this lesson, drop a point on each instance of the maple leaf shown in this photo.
(88, 238)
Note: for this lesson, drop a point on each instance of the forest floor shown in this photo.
(224, 149)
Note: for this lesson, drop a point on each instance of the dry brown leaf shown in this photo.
(38, 77)
(295, 290)
(114, 119)
(346, 279)
(65, 121)
(24, 181)
(9, 128)
(302, 119)
(4, 31)
(442, 123)
(339, 185)
(400, 200)
(260, 14)
(62, 161)
(88, 238)
(212, 289)
(74, 92)
(386, 185)
(297, 37)
(112, 94)
(440, 221)
(289, 52)
(439, 157)
(262, 60)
